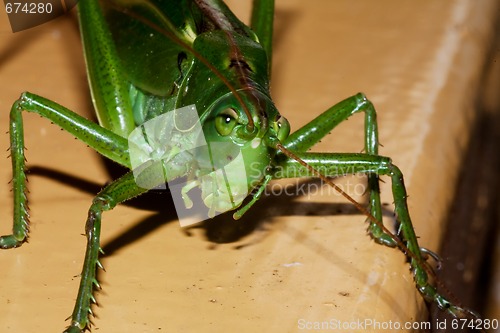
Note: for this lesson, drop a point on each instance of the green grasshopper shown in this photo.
(215, 62)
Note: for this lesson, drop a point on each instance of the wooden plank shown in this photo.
(309, 260)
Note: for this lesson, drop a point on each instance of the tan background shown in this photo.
(420, 62)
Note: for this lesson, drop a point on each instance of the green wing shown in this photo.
(152, 60)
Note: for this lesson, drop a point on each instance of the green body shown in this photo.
(189, 48)
(146, 60)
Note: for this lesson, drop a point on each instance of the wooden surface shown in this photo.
(309, 259)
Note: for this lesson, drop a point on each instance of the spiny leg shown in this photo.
(100, 139)
(116, 192)
(330, 164)
(311, 133)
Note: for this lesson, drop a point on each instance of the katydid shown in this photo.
(215, 62)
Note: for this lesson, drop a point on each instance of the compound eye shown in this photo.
(282, 128)
(226, 121)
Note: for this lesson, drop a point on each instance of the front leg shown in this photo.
(100, 139)
(331, 163)
(311, 133)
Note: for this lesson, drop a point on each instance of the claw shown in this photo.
(462, 313)
(428, 253)
(455, 310)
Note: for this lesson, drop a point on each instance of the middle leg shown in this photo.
(332, 164)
